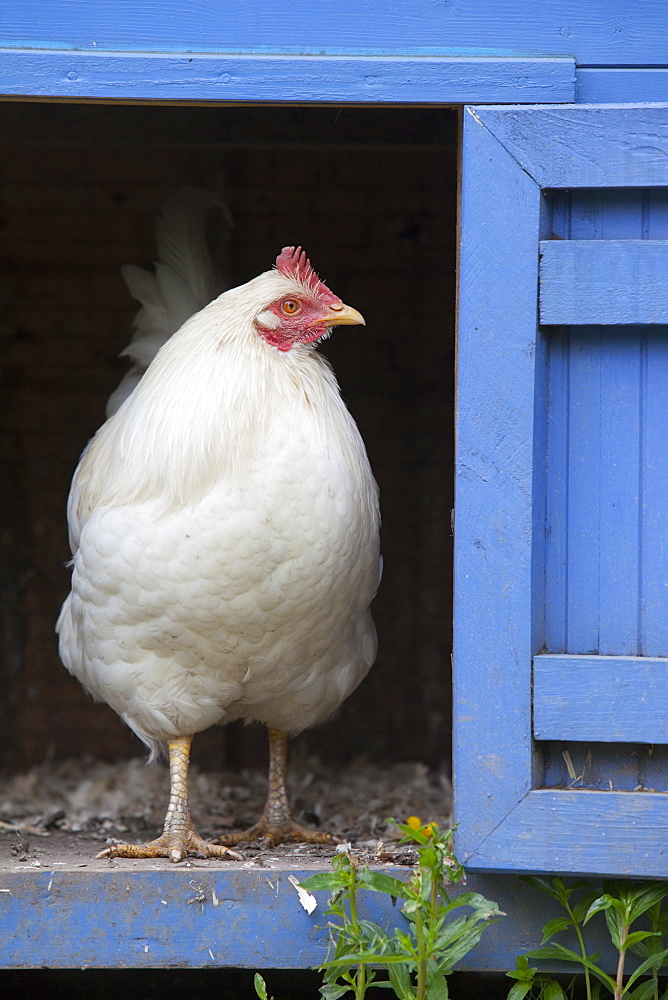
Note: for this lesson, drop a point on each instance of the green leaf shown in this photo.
(643, 897)
(566, 955)
(326, 880)
(379, 882)
(643, 992)
(615, 922)
(401, 981)
(555, 925)
(636, 936)
(522, 971)
(552, 991)
(437, 987)
(653, 962)
(603, 902)
(485, 907)
(550, 951)
(543, 885)
(260, 986)
(332, 991)
(519, 991)
(579, 908)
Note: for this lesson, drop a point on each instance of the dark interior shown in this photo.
(371, 194)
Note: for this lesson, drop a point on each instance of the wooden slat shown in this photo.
(598, 32)
(405, 79)
(580, 832)
(604, 699)
(639, 84)
(99, 916)
(494, 482)
(603, 281)
(585, 146)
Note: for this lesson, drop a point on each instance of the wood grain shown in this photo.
(603, 281)
(606, 699)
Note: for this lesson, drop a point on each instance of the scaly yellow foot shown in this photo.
(179, 837)
(175, 846)
(276, 824)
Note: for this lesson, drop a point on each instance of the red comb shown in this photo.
(293, 263)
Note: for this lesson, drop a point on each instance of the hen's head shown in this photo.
(306, 310)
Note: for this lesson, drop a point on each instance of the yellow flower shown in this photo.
(415, 823)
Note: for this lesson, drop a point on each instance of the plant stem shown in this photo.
(360, 975)
(583, 952)
(619, 988)
(421, 957)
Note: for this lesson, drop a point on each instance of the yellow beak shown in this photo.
(340, 315)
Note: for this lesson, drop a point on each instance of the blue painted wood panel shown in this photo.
(601, 85)
(551, 443)
(429, 78)
(168, 918)
(605, 146)
(608, 699)
(599, 32)
(578, 831)
(603, 281)
(606, 560)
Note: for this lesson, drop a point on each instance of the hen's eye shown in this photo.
(290, 307)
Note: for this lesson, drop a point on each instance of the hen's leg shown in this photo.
(276, 823)
(179, 837)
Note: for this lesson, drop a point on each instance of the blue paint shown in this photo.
(608, 699)
(138, 919)
(600, 32)
(287, 78)
(603, 281)
(572, 436)
(606, 555)
(602, 85)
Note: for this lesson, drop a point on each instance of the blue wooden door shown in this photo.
(561, 540)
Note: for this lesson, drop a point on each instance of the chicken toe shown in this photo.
(175, 846)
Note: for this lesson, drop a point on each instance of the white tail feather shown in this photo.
(185, 280)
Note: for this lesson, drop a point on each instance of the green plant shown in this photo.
(261, 987)
(623, 904)
(534, 985)
(416, 959)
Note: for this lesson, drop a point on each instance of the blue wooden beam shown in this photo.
(317, 78)
(578, 831)
(587, 282)
(605, 699)
(215, 916)
(606, 145)
(602, 85)
(597, 33)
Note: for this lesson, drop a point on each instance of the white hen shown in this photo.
(224, 530)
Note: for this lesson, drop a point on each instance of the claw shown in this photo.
(174, 847)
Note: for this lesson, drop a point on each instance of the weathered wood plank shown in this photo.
(315, 78)
(605, 699)
(585, 146)
(65, 916)
(603, 281)
(494, 509)
(601, 85)
(580, 832)
(599, 32)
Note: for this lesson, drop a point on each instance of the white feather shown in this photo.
(185, 280)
